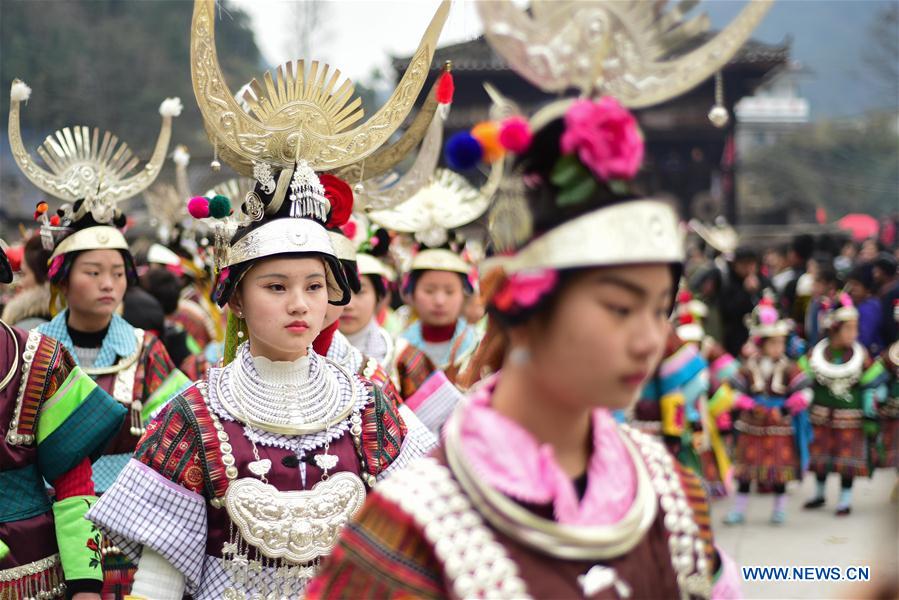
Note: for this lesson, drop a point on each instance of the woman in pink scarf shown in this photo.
(536, 491)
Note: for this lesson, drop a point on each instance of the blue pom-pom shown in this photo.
(463, 151)
(219, 207)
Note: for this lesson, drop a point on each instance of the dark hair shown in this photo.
(414, 276)
(827, 274)
(351, 272)
(379, 285)
(864, 274)
(887, 263)
(537, 163)
(745, 253)
(68, 259)
(37, 258)
(803, 245)
(164, 286)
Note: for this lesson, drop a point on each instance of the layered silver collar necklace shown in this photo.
(284, 401)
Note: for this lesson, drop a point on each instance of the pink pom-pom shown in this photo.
(198, 207)
(515, 134)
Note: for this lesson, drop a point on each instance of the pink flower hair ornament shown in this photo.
(605, 136)
(525, 289)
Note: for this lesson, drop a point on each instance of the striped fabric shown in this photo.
(181, 444)
(381, 554)
(412, 368)
(383, 431)
(77, 421)
(49, 369)
(174, 383)
(699, 504)
(153, 371)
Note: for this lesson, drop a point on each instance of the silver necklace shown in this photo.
(283, 408)
(838, 378)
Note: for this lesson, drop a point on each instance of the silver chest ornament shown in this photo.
(290, 531)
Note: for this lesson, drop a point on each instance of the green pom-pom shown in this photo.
(219, 207)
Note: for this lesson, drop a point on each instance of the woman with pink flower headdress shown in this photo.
(536, 490)
(772, 426)
(843, 409)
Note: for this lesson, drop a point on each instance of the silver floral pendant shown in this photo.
(260, 468)
(325, 462)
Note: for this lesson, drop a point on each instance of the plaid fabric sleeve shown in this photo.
(382, 554)
(434, 401)
(143, 508)
(419, 441)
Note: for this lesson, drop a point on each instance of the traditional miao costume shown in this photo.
(491, 513)
(54, 420)
(241, 485)
(773, 430)
(373, 340)
(888, 411)
(128, 363)
(670, 402)
(845, 382)
(427, 359)
(714, 408)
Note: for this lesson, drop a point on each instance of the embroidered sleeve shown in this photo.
(383, 431)
(182, 446)
(159, 377)
(375, 373)
(75, 419)
(382, 554)
(413, 368)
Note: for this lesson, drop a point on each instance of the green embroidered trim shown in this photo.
(170, 387)
(68, 397)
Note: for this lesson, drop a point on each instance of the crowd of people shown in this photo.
(301, 390)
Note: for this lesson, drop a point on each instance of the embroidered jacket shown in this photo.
(54, 420)
(194, 450)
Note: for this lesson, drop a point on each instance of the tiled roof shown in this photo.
(477, 55)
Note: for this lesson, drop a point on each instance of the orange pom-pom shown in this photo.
(487, 134)
(41, 208)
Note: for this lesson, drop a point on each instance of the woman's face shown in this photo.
(605, 336)
(774, 347)
(845, 335)
(96, 284)
(283, 301)
(438, 298)
(361, 309)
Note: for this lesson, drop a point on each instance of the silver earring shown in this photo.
(239, 334)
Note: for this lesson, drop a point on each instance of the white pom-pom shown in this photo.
(180, 156)
(171, 107)
(20, 91)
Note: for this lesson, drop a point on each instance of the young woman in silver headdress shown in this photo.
(242, 484)
(536, 491)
